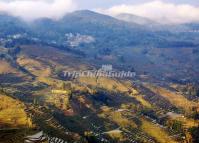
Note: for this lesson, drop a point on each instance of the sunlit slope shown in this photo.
(155, 131)
(12, 113)
(6, 68)
(174, 98)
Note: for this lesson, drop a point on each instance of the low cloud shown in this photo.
(162, 12)
(159, 11)
(33, 9)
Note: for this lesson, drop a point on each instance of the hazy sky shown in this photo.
(167, 11)
(90, 4)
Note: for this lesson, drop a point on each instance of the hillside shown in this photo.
(159, 104)
(136, 19)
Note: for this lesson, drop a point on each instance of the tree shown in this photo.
(14, 51)
(63, 86)
(195, 134)
(114, 87)
(177, 126)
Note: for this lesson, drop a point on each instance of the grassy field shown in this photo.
(116, 117)
(174, 98)
(113, 85)
(155, 131)
(106, 83)
(6, 67)
(12, 113)
(36, 67)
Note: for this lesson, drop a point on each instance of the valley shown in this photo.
(160, 104)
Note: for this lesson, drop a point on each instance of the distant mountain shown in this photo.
(11, 25)
(101, 38)
(107, 33)
(154, 26)
(136, 19)
(193, 26)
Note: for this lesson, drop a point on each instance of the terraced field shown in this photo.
(88, 110)
(174, 98)
(12, 113)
